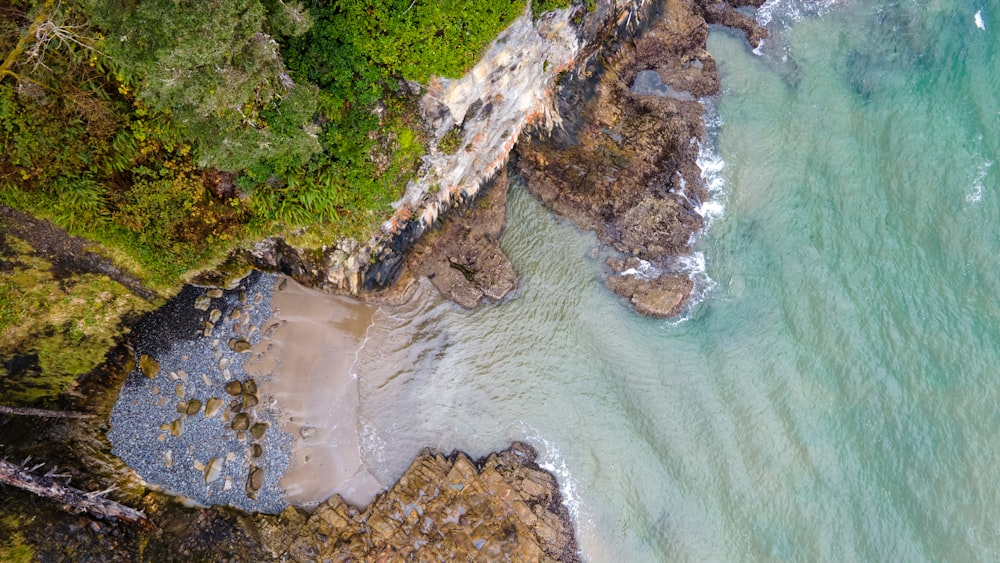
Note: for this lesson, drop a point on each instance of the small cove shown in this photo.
(832, 395)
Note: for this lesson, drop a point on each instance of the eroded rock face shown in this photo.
(501, 508)
(624, 164)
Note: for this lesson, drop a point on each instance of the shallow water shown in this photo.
(834, 396)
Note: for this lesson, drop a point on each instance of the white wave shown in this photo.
(786, 12)
(976, 190)
(713, 207)
(979, 20)
(552, 460)
(645, 270)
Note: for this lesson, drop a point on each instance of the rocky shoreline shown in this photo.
(627, 105)
(500, 508)
(624, 162)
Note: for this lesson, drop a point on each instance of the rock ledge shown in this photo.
(500, 508)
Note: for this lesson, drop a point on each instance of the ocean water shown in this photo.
(835, 394)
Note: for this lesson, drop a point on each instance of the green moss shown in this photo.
(539, 7)
(69, 322)
(451, 142)
(13, 548)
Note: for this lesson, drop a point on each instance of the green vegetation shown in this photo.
(172, 132)
(15, 550)
(539, 7)
(451, 142)
(41, 314)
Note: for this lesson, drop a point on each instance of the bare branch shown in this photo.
(43, 413)
(69, 498)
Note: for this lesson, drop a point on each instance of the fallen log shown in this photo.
(72, 500)
(23, 411)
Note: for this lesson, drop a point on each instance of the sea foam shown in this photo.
(710, 209)
(786, 12)
(975, 193)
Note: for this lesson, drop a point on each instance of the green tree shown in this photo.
(215, 66)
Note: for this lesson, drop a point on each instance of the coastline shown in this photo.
(302, 415)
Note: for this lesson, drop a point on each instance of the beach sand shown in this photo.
(306, 367)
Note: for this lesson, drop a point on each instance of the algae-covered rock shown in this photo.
(241, 422)
(213, 406)
(149, 366)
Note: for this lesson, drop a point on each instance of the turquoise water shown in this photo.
(835, 396)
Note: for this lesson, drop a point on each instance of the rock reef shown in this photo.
(501, 508)
(624, 161)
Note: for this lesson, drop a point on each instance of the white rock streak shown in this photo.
(514, 79)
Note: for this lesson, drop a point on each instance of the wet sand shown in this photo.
(306, 367)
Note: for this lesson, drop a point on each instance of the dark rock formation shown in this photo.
(624, 162)
(463, 258)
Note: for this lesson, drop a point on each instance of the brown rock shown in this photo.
(241, 422)
(463, 259)
(255, 480)
(213, 406)
(149, 366)
(234, 388)
(422, 519)
(624, 163)
(193, 406)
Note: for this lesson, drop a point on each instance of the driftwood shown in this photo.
(73, 500)
(43, 413)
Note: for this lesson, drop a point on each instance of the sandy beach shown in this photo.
(305, 366)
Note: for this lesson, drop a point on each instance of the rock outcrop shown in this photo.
(462, 258)
(501, 508)
(624, 161)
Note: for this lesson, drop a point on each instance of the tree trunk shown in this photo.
(70, 499)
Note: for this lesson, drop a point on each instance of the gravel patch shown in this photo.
(186, 419)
